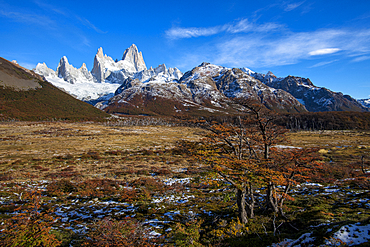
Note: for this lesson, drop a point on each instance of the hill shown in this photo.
(24, 95)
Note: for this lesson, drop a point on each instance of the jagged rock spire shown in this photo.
(133, 56)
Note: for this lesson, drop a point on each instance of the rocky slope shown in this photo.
(315, 99)
(206, 89)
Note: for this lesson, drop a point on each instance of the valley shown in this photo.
(91, 175)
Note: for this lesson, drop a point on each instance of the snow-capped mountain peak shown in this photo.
(85, 85)
(133, 56)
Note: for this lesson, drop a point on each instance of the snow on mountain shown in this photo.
(81, 88)
(132, 56)
(314, 98)
(365, 102)
(71, 74)
(106, 75)
(206, 87)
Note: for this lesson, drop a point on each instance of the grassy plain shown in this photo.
(89, 171)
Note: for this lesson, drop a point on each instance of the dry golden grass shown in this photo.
(45, 140)
(330, 138)
(90, 150)
(81, 150)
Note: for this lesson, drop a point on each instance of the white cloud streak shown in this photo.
(292, 6)
(323, 63)
(360, 59)
(192, 32)
(28, 18)
(266, 49)
(88, 24)
(242, 26)
(324, 51)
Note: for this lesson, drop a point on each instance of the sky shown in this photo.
(327, 41)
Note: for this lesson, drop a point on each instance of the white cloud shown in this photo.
(261, 50)
(28, 18)
(192, 32)
(242, 26)
(360, 59)
(324, 51)
(88, 24)
(292, 6)
(323, 63)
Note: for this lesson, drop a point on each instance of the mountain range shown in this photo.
(128, 87)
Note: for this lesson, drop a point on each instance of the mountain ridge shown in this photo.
(119, 84)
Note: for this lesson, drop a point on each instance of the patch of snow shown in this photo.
(284, 146)
(353, 234)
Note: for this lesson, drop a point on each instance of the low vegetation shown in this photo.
(100, 184)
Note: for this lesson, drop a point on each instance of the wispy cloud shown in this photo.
(88, 24)
(28, 18)
(360, 59)
(324, 51)
(266, 49)
(68, 15)
(241, 26)
(50, 7)
(192, 32)
(323, 63)
(292, 6)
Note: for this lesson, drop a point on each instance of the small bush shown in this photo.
(29, 226)
(149, 183)
(61, 187)
(109, 232)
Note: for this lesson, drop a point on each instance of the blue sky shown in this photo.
(327, 41)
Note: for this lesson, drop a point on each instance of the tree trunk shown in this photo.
(266, 151)
(271, 200)
(250, 202)
(240, 201)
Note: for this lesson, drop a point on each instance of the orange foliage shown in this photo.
(29, 226)
(109, 232)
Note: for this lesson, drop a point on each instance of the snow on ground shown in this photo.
(352, 234)
(284, 146)
(72, 213)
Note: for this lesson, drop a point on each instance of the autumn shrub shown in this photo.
(92, 155)
(128, 194)
(160, 171)
(29, 226)
(147, 152)
(116, 152)
(143, 172)
(109, 232)
(65, 157)
(5, 177)
(61, 187)
(97, 188)
(187, 234)
(149, 183)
